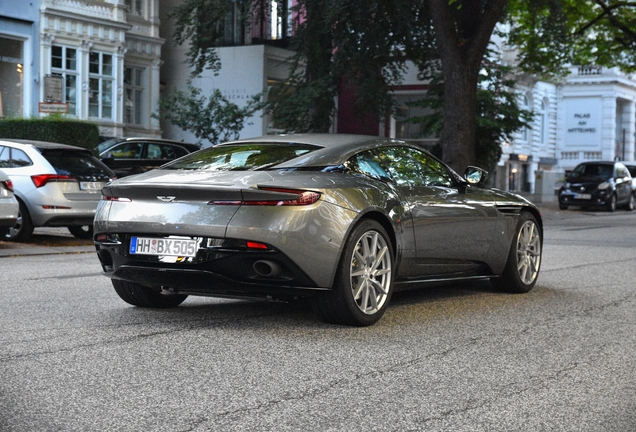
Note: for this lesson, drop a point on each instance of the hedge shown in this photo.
(52, 129)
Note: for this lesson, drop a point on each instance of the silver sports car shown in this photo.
(343, 219)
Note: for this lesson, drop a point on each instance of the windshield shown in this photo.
(604, 172)
(108, 143)
(241, 157)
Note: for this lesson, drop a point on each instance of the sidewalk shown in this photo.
(47, 241)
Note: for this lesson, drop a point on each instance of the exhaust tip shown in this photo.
(267, 268)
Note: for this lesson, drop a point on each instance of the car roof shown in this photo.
(332, 149)
(318, 139)
(44, 144)
(115, 141)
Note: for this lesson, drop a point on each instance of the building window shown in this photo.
(407, 126)
(11, 77)
(64, 64)
(136, 7)
(525, 131)
(134, 89)
(100, 84)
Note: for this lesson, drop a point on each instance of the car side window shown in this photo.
(405, 166)
(20, 158)
(5, 157)
(154, 151)
(126, 151)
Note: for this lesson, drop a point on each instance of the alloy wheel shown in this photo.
(371, 272)
(528, 252)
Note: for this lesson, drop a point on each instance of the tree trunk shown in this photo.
(462, 30)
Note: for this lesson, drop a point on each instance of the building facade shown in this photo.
(253, 60)
(19, 58)
(88, 59)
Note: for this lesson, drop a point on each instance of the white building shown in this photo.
(253, 59)
(596, 116)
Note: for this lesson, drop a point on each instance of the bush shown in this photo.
(52, 129)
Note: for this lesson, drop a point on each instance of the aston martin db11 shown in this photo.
(343, 219)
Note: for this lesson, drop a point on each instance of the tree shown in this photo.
(365, 45)
(211, 117)
(498, 111)
(554, 33)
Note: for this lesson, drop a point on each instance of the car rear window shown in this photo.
(77, 164)
(241, 157)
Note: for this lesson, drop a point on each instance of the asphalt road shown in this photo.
(74, 357)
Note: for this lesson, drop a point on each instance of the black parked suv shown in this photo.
(604, 184)
(126, 156)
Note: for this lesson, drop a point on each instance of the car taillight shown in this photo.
(8, 184)
(42, 179)
(303, 198)
(114, 198)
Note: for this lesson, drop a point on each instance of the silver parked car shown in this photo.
(8, 205)
(55, 184)
(343, 219)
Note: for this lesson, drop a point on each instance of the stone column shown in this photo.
(153, 89)
(608, 128)
(629, 125)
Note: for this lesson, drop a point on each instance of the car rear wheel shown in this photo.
(524, 259)
(81, 232)
(364, 281)
(563, 206)
(23, 228)
(139, 295)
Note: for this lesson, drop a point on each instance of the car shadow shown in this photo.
(209, 312)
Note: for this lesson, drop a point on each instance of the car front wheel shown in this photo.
(524, 259)
(611, 204)
(630, 203)
(364, 282)
(139, 295)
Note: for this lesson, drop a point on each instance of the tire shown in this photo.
(563, 206)
(23, 228)
(611, 204)
(81, 232)
(139, 295)
(364, 281)
(524, 259)
(630, 203)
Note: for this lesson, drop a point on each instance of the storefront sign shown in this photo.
(582, 121)
(53, 107)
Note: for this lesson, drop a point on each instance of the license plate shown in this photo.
(92, 186)
(163, 246)
(582, 196)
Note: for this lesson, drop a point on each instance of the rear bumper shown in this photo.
(213, 272)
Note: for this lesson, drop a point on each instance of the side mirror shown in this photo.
(475, 175)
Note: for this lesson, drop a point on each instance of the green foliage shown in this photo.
(211, 117)
(498, 112)
(553, 33)
(53, 129)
